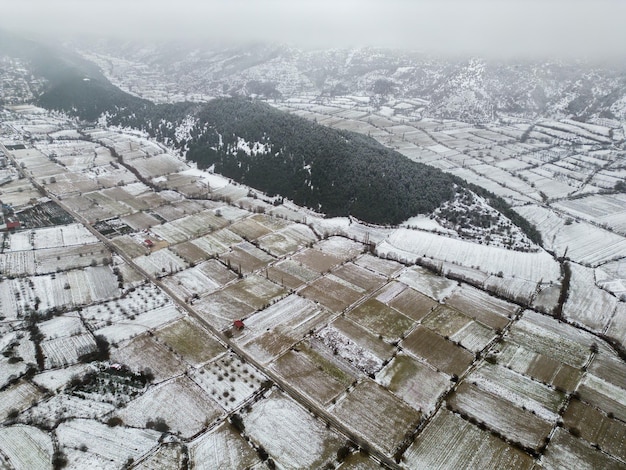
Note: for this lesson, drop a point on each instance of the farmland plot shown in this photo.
(190, 283)
(66, 258)
(489, 310)
(135, 324)
(363, 278)
(218, 242)
(359, 461)
(222, 447)
(107, 447)
(275, 224)
(188, 227)
(450, 323)
(229, 381)
(157, 165)
(437, 351)
(65, 406)
(62, 236)
(588, 244)
(289, 273)
(129, 246)
(192, 342)
(143, 299)
(270, 332)
(16, 297)
(528, 266)
(341, 247)
(376, 414)
(381, 320)
(417, 384)
(303, 441)
(24, 354)
(55, 380)
(596, 428)
(451, 442)
(64, 351)
(288, 240)
(140, 220)
(598, 208)
(543, 368)
(168, 455)
(190, 253)
(378, 265)
(180, 402)
(312, 373)
(609, 368)
(605, 395)
(552, 339)
(143, 353)
(422, 280)
(522, 391)
(317, 261)
(566, 451)
(356, 345)
(220, 309)
(332, 292)
(246, 258)
(587, 304)
(18, 397)
(52, 291)
(408, 301)
(255, 291)
(249, 229)
(18, 263)
(501, 415)
(217, 272)
(25, 448)
(612, 277)
(161, 263)
(231, 213)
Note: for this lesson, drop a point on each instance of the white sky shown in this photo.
(508, 28)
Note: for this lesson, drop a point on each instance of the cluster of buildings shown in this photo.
(8, 221)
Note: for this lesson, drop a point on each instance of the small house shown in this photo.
(149, 243)
(238, 324)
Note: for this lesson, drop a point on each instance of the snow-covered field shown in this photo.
(377, 343)
(184, 406)
(289, 434)
(411, 245)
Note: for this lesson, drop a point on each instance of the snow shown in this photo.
(214, 180)
(56, 379)
(222, 447)
(411, 245)
(180, 402)
(303, 441)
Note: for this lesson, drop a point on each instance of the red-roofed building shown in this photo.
(238, 324)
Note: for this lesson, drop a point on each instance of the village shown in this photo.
(159, 316)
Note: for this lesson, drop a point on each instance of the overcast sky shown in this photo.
(509, 28)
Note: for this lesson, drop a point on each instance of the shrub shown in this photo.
(114, 421)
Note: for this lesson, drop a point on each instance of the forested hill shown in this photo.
(337, 172)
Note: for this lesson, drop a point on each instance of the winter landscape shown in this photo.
(157, 311)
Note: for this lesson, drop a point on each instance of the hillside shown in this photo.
(470, 89)
(337, 172)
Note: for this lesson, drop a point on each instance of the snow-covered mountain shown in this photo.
(473, 89)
